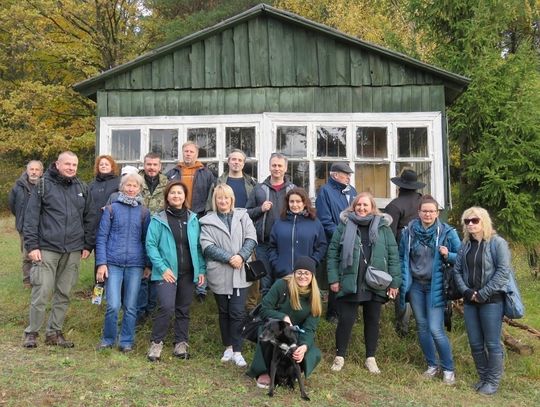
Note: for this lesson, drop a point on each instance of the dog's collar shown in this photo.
(287, 348)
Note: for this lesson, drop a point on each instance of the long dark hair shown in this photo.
(168, 189)
(301, 192)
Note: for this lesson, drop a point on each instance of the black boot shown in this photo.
(480, 361)
(494, 374)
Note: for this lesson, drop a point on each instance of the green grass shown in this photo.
(83, 377)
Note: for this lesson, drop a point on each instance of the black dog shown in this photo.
(283, 368)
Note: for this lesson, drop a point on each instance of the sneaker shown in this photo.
(103, 346)
(263, 381)
(30, 340)
(339, 361)
(57, 339)
(449, 377)
(154, 353)
(180, 350)
(431, 372)
(371, 365)
(227, 355)
(238, 359)
(125, 349)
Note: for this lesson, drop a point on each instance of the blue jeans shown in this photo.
(430, 326)
(484, 324)
(147, 297)
(262, 252)
(122, 288)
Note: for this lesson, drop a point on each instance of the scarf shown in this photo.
(131, 201)
(349, 236)
(425, 237)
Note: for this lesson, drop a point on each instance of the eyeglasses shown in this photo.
(474, 221)
(302, 273)
(430, 212)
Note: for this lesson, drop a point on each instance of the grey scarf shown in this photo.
(349, 236)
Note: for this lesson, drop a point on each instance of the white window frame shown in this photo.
(265, 138)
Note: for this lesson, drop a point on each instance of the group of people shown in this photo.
(160, 238)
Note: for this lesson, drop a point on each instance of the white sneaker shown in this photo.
(227, 355)
(431, 372)
(238, 359)
(371, 365)
(339, 361)
(449, 377)
(154, 353)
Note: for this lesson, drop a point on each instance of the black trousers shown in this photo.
(232, 310)
(347, 316)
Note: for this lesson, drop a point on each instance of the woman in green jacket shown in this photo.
(363, 238)
(295, 299)
(172, 245)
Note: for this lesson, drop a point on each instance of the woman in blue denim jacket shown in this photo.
(481, 273)
(424, 244)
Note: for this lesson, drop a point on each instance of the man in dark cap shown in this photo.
(333, 197)
(403, 209)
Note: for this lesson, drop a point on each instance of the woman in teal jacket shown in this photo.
(172, 245)
(362, 238)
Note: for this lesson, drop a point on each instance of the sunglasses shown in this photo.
(474, 221)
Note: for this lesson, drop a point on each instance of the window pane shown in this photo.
(298, 172)
(412, 142)
(322, 173)
(331, 141)
(373, 178)
(292, 141)
(371, 142)
(205, 137)
(242, 138)
(423, 170)
(213, 166)
(250, 168)
(126, 145)
(165, 143)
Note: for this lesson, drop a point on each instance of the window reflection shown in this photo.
(298, 172)
(292, 141)
(242, 138)
(373, 178)
(126, 145)
(371, 142)
(412, 142)
(205, 138)
(331, 141)
(322, 174)
(165, 143)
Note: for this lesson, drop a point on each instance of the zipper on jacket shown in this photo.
(293, 232)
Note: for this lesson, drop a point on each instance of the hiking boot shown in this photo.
(371, 365)
(431, 372)
(263, 381)
(449, 377)
(339, 361)
(57, 339)
(27, 284)
(30, 340)
(227, 355)
(154, 353)
(239, 360)
(180, 350)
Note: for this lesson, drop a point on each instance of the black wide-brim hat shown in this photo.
(408, 180)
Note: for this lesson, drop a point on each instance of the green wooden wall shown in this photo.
(339, 99)
(264, 52)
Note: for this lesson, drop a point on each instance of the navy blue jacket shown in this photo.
(202, 184)
(294, 237)
(330, 202)
(121, 235)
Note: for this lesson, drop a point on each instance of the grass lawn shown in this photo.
(84, 377)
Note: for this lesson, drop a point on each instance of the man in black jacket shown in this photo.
(58, 232)
(18, 199)
(403, 209)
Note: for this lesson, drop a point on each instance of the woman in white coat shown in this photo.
(228, 238)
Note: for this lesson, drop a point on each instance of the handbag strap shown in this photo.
(363, 254)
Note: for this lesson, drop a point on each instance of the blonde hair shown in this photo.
(190, 143)
(485, 221)
(227, 191)
(295, 291)
(365, 194)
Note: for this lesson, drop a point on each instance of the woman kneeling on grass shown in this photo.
(172, 244)
(295, 299)
(120, 260)
(228, 238)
